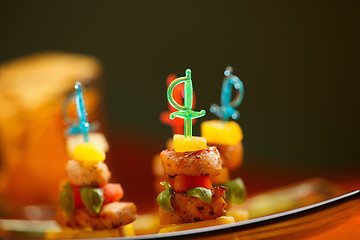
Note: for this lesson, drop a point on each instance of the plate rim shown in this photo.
(251, 223)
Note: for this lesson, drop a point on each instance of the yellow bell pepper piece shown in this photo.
(218, 132)
(184, 144)
(194, 225)
(72, 141)
(71, 233)
(127, 230)
(147, 223)
(88, 152)
(238, 214)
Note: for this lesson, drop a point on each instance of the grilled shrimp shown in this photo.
(87, 175)
(202, 162)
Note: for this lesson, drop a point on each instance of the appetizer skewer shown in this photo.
(177, 125)
(76, 133)
(189, 197)
(87, 199)
(226, 136)
(149, 224)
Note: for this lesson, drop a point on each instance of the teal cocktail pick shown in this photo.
(81, 126)
(227, 109)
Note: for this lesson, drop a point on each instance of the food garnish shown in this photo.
(165, 196)
(200, 192)
(236, 192)
(92, 198)
(67, 199)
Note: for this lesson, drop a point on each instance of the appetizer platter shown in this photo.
(323, 216)
(197, 198)
(337, 216)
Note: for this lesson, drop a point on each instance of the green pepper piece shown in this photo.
(165, 196)
(236, 193)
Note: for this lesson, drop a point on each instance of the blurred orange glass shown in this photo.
(32, 143)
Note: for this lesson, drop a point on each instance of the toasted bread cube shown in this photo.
(219, 132)
(194, 225)
(185, 144)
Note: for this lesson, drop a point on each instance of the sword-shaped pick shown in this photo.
(227, 109)
(81, 125)
(178, 95)
(185, 111)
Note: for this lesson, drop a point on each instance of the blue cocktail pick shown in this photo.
(81, 126)
(227, 109)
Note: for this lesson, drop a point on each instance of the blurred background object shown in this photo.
(298, 60)
(33, 153)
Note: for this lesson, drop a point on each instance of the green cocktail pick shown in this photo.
(185, 111)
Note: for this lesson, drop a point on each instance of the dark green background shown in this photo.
(298, 60)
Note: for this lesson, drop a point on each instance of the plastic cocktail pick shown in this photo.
(81, 126)
(227, 109)
(178, 95)
(185, 111)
